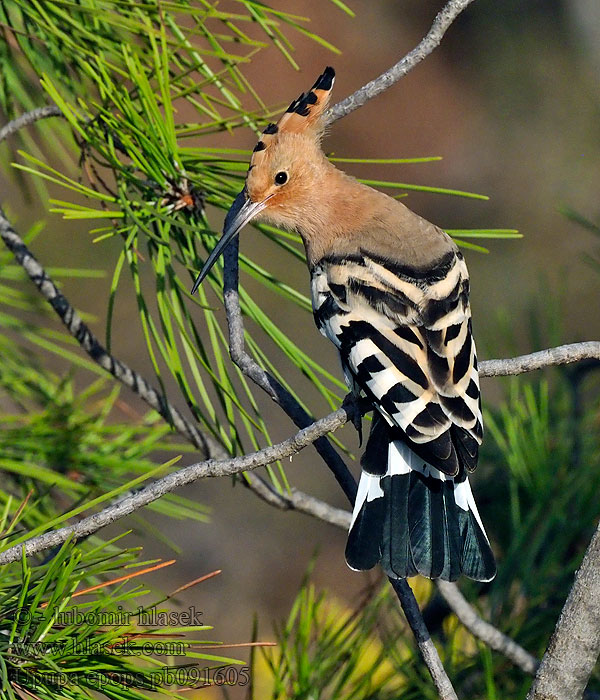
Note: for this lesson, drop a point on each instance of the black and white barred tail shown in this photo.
(414, 519)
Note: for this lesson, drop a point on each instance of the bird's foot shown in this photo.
(355, 406)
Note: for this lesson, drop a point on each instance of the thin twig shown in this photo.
(300, 501)
(434, 36)
(562, 355)
(28, 118)
(483, 630)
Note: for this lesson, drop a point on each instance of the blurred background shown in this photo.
(511, 101)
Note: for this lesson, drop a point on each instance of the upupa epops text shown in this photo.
(391, 291)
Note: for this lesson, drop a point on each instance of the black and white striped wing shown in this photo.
(404, 336)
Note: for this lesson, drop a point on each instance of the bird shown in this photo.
(391, 291)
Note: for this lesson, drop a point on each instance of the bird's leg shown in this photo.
(356, 406)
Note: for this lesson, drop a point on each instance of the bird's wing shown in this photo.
(404, 336)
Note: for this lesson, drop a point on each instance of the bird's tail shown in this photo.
(413, 518)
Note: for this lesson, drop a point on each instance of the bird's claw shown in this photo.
(353, 407)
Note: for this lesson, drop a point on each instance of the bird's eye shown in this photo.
(281, 177)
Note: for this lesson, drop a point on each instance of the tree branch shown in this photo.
(484, 631)
(574, 647)
(300, 501)
(561, 355)
(251, 369)
(424, 642)
(431, 41)
(88, 341)
(29, 118)
(174, 480)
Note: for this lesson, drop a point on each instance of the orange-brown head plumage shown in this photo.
(286, 170)
(304, 116)
(287, 161)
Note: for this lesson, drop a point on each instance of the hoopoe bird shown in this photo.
(391, 291)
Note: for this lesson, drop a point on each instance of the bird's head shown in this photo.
(286, 166)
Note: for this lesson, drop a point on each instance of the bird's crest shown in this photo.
(302, 116)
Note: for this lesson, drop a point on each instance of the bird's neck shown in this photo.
(338, 211)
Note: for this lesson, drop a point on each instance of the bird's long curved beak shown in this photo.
(241, 212)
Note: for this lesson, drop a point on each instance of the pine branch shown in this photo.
(299, 501)
(426, 646)
(88, 341)
(28, 118)
(431, 41)
(187, 475)
(561, 355)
